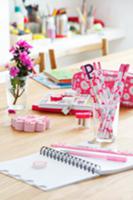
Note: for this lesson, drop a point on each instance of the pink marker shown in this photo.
(106, 157)
(82, 148)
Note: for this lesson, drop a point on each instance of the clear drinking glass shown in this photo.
(105, 118)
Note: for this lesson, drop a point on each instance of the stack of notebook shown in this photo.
(58, 78)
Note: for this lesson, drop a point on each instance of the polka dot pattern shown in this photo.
(131, 90)
(84, 85)
(81, 84)
(126, 96)
(131, 81)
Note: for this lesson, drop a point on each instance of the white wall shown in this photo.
(51, 4)
(69, 4)
(4, 31)
(117, 13)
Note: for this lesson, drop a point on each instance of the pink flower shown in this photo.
(23, 56)
(7, 66)
(12, 50)
(25, 60)
(21, 59)
(14, 71)
(30, 64)
(24, 44)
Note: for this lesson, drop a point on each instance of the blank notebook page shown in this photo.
(56, 173)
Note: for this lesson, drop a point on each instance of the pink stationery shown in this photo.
(81, 84)
(30, 123)
(107, 100)
(97, 156)
(65, 103)
(91, 149)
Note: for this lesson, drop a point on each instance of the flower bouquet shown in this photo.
(20, 67)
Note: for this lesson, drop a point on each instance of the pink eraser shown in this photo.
(30, 123)
(46, 121)
(31, 116)
(40, 126)
(19, 125)
(39, 164)
(29, 126)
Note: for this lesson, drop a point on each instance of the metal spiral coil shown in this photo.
(70, 160)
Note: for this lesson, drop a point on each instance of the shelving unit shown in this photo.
(64, 45)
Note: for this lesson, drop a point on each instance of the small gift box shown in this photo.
(82, 85)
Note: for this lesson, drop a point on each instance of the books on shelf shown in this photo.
(60, 168)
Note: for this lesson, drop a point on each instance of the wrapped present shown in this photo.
(82, 85)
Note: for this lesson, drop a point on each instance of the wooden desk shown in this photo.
(14, 144)
(111, 61)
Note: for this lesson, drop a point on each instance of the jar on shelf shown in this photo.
(50, 27)
(62, 24)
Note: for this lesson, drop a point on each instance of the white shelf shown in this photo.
(64, 44)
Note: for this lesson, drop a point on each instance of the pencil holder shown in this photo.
(105, 118)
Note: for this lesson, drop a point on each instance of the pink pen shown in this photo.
(96, 156)
(82, 148)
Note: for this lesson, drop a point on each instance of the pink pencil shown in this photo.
(96, 156)
(82, 148)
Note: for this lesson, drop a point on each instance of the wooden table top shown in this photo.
(14, 144)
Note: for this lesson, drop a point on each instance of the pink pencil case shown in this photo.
(82, 85)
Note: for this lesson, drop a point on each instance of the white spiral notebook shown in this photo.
(61, 169)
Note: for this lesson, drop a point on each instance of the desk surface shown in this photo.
(14, 144)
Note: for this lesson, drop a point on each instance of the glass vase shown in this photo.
(106, 119)
(16, 92)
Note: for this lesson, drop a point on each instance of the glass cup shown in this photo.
(105, 118)
(16, 92)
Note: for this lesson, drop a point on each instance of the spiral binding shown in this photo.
(70, 160)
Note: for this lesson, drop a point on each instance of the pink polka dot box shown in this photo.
(82, 85)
